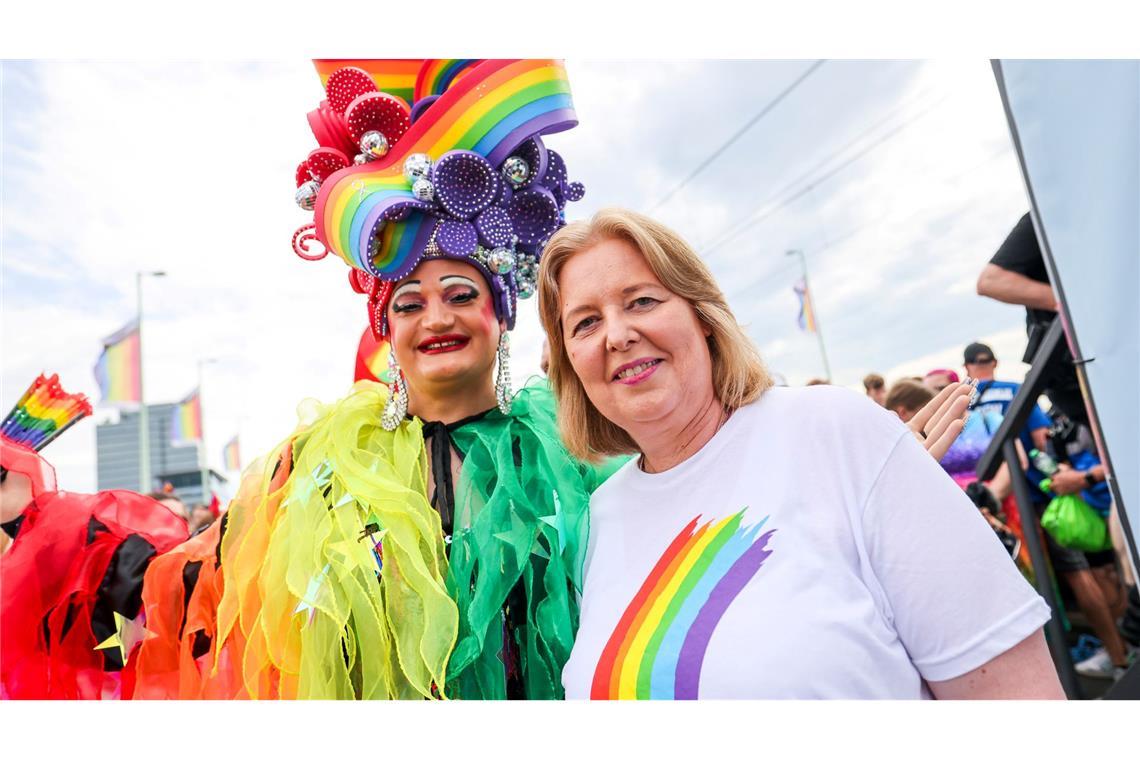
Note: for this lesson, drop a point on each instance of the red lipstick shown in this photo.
(441, 344)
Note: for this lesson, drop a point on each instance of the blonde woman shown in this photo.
(764, 542)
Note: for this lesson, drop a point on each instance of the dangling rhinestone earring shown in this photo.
(397, 406)
(503, 374)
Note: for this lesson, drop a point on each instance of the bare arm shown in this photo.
(1023, 672)
(1011, 287)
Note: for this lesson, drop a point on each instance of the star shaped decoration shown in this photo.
(557, 521)
(310, 598)
(519, 536)
(128, 633)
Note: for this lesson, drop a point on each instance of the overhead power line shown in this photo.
(765, 210)
(738, 134)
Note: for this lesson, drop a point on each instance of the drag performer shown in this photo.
(423, 541)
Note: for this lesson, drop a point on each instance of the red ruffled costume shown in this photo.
(62, 572)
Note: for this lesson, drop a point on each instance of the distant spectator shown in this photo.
(937, 379)
(200, 517)
(171, 502)
(996, 395)
(875, 387)
(906, 397)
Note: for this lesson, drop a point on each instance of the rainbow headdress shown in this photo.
(458, 171)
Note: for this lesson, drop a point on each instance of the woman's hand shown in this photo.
(940, 422)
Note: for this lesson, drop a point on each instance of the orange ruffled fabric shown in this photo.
(181, 657)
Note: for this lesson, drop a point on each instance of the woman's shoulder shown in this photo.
(823, 411)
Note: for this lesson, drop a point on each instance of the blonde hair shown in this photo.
(738, 374)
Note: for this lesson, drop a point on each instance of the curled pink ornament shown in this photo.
(303, 239)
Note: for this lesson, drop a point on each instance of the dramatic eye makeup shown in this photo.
(459, 289)
(407, 297)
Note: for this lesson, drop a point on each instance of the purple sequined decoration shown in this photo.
(456, 238)
(535, 214)
(465, 183)
(495, 228)
(536, 156)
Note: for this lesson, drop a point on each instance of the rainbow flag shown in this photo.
(806, 318)
(231, 457)
(186, 422)
(658, 646)
(118, 372)
(43, 413)
(372, 359)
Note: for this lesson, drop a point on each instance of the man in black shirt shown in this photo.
(1016, 274)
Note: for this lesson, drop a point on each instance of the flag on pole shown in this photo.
(372, 358)
(186, 425)
(117, 372)
(231, 457)
(806, 318)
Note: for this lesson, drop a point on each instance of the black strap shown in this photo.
(438, 437)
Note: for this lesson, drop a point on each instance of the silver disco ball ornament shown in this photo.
(417, 166)
(516, 171)
(306, 196)
(423, 189)
(501, 260)
(526, 288)
(374, 144)
(361, 158)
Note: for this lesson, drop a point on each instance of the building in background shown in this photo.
(117, 455)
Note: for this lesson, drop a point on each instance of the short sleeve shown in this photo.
(955, 597)
(1037, 419)
(1021, 253)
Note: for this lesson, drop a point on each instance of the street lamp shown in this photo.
(144, 418)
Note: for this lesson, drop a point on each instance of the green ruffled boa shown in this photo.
(521, 517)
(312, 608)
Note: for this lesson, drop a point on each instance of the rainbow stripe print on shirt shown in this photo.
(657, 649)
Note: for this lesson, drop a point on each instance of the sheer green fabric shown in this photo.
(521, 518)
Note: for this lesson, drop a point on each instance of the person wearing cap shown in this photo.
(1085, 573)
(996, 395)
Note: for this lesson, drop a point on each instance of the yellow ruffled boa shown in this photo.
(299, 554)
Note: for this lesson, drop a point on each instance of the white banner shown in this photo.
(1076, 126)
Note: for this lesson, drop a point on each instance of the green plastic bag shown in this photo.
(1074, 524)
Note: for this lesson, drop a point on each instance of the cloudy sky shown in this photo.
(896, 178)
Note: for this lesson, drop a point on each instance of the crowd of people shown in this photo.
(658, 519)
(198, 517)
(1057, 455)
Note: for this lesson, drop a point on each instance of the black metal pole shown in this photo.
(1054, 631)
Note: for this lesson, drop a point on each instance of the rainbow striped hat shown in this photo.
(436, 158)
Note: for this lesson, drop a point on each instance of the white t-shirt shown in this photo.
(811, 549)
